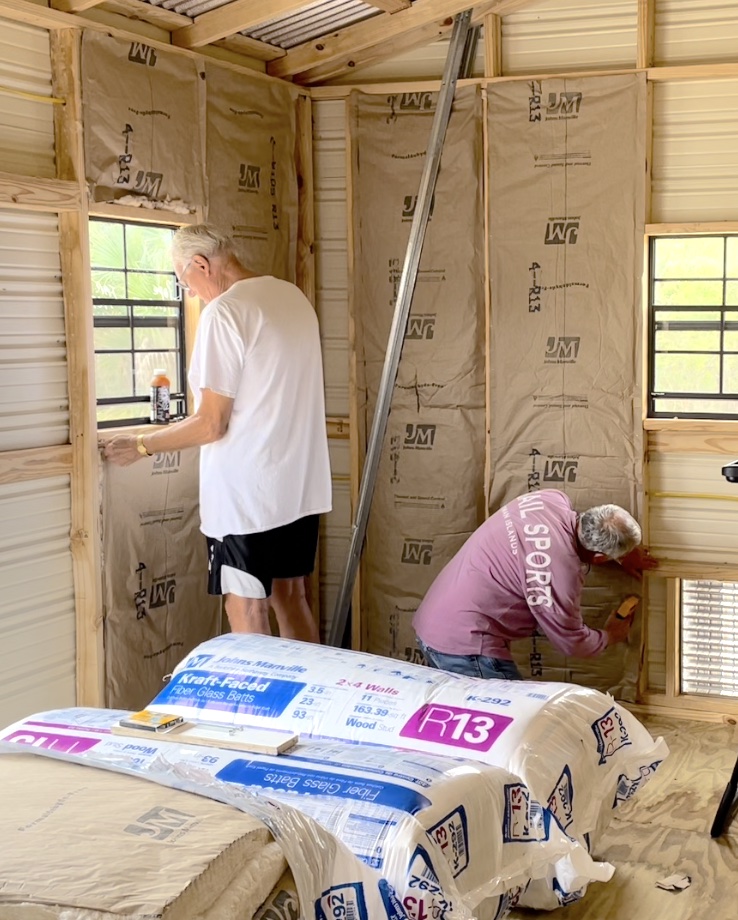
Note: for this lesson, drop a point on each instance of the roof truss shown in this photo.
(398, 26)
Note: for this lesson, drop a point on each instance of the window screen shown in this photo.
(710, 638)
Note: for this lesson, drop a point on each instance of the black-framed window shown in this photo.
(693, 366)
(138, 318)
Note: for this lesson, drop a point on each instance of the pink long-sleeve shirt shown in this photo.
(517, 574)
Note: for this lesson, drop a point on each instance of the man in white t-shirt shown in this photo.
(257, 378)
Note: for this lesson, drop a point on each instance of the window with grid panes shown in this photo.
(709, 638)
(138, 318)
(694, 327)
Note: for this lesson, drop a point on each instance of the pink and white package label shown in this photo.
(475, 830)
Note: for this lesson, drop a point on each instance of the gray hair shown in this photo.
(608, 529)
(200, 240)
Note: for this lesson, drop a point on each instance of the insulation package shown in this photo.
(143, 118)
(577, 750)
(430, 835)
(429, 491)
(567, 165)
(251, 175)
(119, 847)
(156, 605)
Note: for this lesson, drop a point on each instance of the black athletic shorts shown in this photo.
(245, 564)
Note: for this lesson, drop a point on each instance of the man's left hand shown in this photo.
(637, 561)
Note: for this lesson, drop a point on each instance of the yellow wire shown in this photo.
(49, 100)
(704, 496)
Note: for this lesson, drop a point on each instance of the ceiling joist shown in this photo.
(232, 18)
(389, 6)
(74, 6)
(378, 38)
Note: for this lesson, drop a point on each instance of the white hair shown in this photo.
(200, 240)
(608, 529)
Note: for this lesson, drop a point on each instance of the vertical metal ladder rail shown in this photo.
(459, 55)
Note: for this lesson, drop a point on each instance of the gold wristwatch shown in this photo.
(141, 447)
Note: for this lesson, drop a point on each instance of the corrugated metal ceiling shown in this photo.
(306, 24)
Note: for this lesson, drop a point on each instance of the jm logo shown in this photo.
(416, 102)
(560, 470)
(560, 232)
(162, 592)
(417, 552)
(167, 462)
(409, 205)
(566, 104)
(563, 349)
(419, 437)
(142, 54)
(249, 179)
(159, 823)
(422, 326)
(148, 183)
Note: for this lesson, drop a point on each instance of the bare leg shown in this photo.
(248, 614)
(294, 617)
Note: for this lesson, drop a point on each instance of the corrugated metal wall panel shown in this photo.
(331, 248)
(693, 529)
(331, 263)
(26, 125)
(560, 35)
(656, 635)
(695, 151)
(37, 619)
(34, 402)
(696, 32)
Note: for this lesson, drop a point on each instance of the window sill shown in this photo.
(715, 426)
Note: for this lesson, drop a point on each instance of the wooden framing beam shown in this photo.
(30, 194)
(232, 18)
(145, 12)
(693, 442)
(492, 45)
(75, 262)
(74, 6)
(375, 39)
(389, 6)
(645, 40)
(242, 44)
(37, 463)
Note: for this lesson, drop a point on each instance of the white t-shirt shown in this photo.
(258, 343)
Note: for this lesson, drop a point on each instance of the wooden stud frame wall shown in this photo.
(661, 435)
(66, 195)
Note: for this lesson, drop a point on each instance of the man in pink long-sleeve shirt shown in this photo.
(522, 572)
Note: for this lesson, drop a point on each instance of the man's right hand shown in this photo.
(618, 628)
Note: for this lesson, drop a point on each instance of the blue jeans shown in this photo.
(471, 665)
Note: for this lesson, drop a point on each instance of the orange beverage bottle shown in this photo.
(160, 398)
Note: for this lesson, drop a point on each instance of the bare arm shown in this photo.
(208, 424)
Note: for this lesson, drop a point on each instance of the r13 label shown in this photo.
(449, 725)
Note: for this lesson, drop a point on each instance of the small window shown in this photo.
(138, 313)
(694, 327)
(710, 638)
